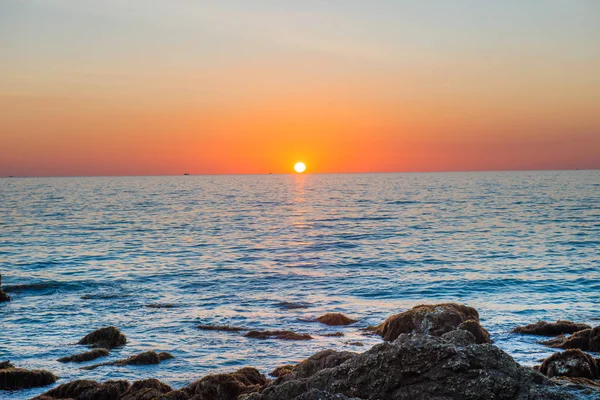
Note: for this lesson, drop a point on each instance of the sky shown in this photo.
(157, 87)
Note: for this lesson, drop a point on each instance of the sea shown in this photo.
(275, 251)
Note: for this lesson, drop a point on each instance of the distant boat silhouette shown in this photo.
(186, 174)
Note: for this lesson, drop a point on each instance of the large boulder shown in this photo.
(433, 320)
(226, 386)
(108, 338)
(587, 340)
(543, 328)
(573, 363)
(321, 360)
(335, 319)
(479, 332)
(82, 389)
(12, 378)
(87, 356)
(419, 367)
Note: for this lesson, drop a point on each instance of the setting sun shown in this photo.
(300, 167)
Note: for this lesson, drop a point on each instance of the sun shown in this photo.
(300, 167)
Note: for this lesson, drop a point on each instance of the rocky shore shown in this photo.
(428, 352)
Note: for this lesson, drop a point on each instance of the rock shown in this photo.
(479, 332)
(578, 381)
(87, 390)
(287, 305)
(543, 328)
(145, 358)
(360, 344)
(6, 365)
(12, 378)
(335, 319)
(161, 305)
(459, 337)
(322, 360)
(336, 334)
(420, 367)
(434, 320)
(587, 340)
(147, 389)
(3, 296)
(225, 328)
(283, 335)
(87, 356)
(573, 363)
(107, 338)
(282, 370)
(226, 386)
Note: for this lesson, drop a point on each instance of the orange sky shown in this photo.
(155, 87)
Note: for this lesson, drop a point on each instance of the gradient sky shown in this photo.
(144, 87)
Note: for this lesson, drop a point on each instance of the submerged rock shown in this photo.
(82, 389)
(419, 367)
(12, 378)
(226, 386)
(573, 363)
(543, 328)
(145, 358)
(224, 328)
(108, 338)
(335, 319)
(335, 334)
(87, 356)
(434, 320)
(288, 305)
(3, 296)
(161, 305)
(587, 339)
(283, 335)
(578, 381)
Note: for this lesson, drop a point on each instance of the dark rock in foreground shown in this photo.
(416, 367)
(226, 386)
(107, 338)
(283, 335)
(543, 328)
(82, 389)
(87, 356)
(224, 328)
(433, 320)
(12, 378)
(587, 339)
(146, 389)
(335, 319)
(3, 296)
(145, 358)
(572, 363)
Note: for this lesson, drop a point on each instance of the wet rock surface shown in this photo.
(83, 389)
(12, 378)
(587, 340)
(3, 295)
(145, 358)
(571, 363)
(108, 338)
(543, 328)
(479, 332)
(434, 320)
(226, 386)
(278, 334)
(417, 366)
(87, 356)
(335, 319)
(224, 328)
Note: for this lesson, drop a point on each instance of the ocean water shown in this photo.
(78, 254)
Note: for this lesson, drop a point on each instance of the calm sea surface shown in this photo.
(77, 254)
